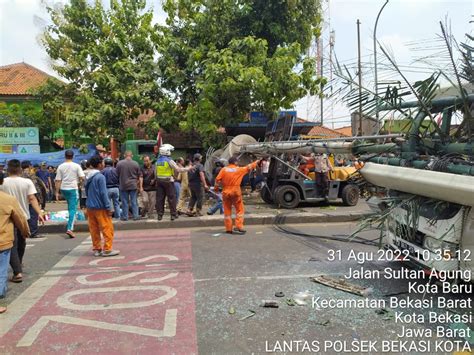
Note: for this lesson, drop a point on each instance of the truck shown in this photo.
(440, 237)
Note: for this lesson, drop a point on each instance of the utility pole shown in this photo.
(321, 56)
(360, 78)
(332, 39)
(375, 62)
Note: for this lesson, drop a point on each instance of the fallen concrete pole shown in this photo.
(433, 184)
(297, 147)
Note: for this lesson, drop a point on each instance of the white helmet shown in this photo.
(166, 149)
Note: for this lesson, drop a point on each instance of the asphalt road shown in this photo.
(207, 281)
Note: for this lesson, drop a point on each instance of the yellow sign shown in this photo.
(6, 149)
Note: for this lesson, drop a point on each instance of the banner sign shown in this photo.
(26, 149)
(19, 135)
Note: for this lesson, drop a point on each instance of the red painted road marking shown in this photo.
(139, 302)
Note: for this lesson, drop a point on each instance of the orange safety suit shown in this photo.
(230, 178)
(358, 164)
(307, 165)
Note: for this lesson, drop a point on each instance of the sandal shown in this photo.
(3, 310)
(16, 279)
(71, 234)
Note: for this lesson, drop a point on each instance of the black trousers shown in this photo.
(18, 250)
(33, 222)
(197, 196)
(322, 183)
(165, 189)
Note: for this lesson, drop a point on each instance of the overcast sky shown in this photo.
(402, 22)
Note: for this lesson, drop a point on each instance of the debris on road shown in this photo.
(269, 304)
(385, 312)
(279, 294)
(290, 302)
(342, 285)
(301, 298)
(301, 302)
(252, 313)
(231, 310)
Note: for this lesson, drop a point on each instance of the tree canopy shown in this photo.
(221, 59)
(212, 63)
(107, 58)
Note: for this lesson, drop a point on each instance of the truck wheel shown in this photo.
(266, 195)
(287, 196)
(350, 195)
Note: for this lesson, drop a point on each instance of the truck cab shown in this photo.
(437, 235)
(139, 148)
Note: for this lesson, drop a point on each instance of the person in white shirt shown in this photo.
(25, 192)
(265, 166)
(69, 176)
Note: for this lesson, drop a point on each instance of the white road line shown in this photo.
(23, 303)
(29, 245)
(42, 239)
(249, 278)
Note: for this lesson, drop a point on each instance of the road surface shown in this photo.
(188, 291)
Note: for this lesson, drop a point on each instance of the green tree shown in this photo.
(33, 114)
(221, 59)
(107, 58)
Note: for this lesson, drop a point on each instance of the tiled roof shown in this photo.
(301, 120)
(19, 78)
(324, 132)
(347, 131)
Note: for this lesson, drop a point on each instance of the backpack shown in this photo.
(39, 186)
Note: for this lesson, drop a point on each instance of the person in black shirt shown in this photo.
(197, 185)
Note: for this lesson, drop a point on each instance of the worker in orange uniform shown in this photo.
(230, 177)
(358, 164)
(307, 164)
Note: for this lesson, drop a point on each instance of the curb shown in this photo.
(216, 221)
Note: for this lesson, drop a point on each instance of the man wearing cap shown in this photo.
(165, 170)
(101, 151)
(197, 185)
(69, 176)
(230, 178)
(41, 192)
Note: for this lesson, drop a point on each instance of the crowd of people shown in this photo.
(105, 189)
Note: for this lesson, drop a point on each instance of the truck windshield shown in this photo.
(145, 149)
(439, 210)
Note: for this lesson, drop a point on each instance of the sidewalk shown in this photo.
(257, 212)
